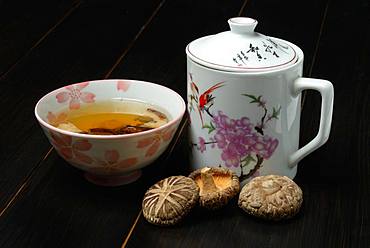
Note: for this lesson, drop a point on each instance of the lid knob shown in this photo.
(242, 25)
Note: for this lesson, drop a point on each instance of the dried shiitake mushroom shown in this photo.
(168, 201)
(217, 186)
(271, 197)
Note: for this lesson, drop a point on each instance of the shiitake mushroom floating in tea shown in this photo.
(113, 117)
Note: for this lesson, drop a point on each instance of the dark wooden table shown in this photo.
(44, 45)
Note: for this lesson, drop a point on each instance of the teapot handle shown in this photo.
(327, 97)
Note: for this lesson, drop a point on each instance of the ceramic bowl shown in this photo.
(109, 160)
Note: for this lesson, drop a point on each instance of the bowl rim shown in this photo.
(114, 136)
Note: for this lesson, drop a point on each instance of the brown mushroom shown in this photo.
(271, 197)
(217, 186)
(168, 201)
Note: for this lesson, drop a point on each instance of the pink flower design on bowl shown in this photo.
(74, 95)
(71, 151)
(112, 159)
(154, 141)
(123, 85)
(56, 119)
(113, 163)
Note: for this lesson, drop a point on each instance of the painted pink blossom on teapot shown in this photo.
(242, 143)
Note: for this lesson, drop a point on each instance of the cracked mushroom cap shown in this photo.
(271, 197)
(217, 186)
(168, 201)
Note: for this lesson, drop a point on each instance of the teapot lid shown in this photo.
(241, 49)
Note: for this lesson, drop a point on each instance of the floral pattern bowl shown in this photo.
(109, 160)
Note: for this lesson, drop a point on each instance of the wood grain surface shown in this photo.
(44, 202)
(83, 47)
(25, 25)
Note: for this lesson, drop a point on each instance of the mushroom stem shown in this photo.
(208, 183)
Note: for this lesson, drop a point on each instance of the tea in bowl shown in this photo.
(110, 128)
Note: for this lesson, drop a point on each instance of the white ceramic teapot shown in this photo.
(244, 102)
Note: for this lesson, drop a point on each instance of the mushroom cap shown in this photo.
(217, 186)
(168, 201)
(271, 197)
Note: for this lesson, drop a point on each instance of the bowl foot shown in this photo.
(113, 180)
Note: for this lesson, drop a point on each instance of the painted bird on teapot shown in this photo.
(203, 101)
